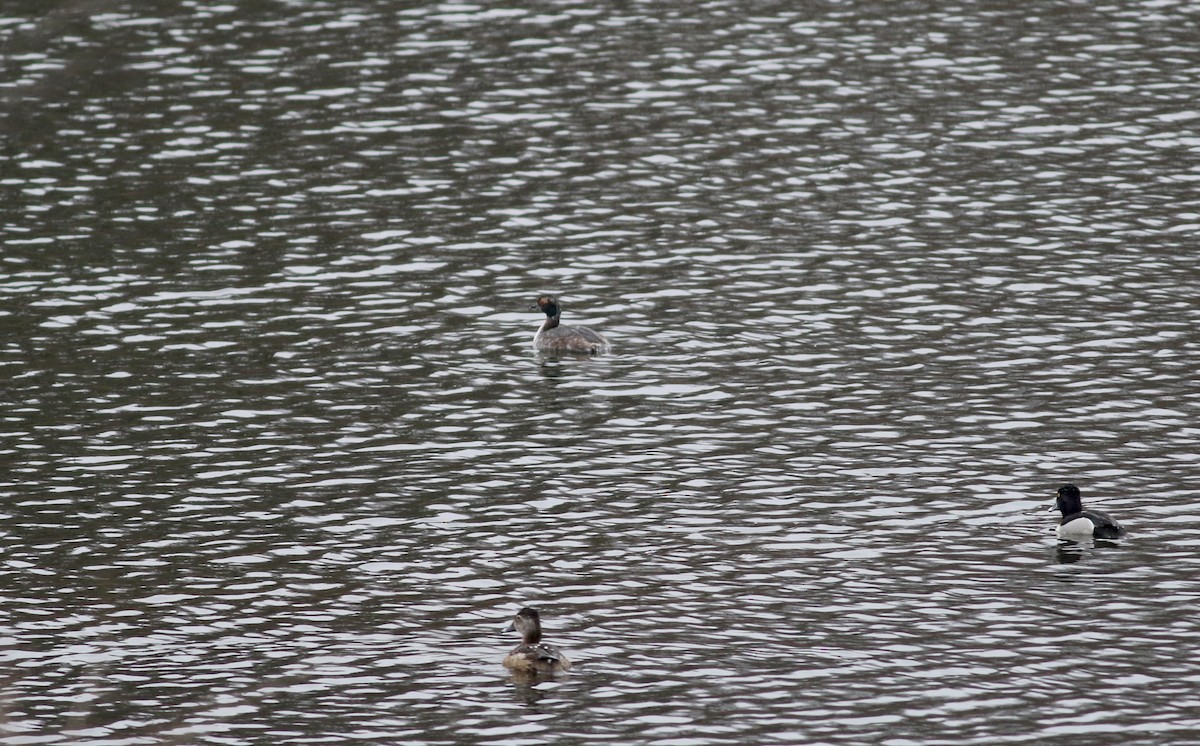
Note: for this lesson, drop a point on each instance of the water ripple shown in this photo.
(283, 464)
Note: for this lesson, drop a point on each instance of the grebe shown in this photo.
(551, 337)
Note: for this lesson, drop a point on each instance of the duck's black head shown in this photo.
(1069, 500)
(547, 305)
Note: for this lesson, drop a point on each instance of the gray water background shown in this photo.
(280, 462)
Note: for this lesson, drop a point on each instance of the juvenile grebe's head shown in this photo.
(547, 305)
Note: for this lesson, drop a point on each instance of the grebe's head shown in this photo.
(547, 305)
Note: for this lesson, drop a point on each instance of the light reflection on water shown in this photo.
(283, 462)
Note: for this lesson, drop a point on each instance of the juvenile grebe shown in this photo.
(551, 337)
(1079, 523)
(531, 656)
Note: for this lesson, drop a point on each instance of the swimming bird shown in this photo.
(531, 656)
(551, 337)
(1079, 523)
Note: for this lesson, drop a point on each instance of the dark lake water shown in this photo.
(280, 461)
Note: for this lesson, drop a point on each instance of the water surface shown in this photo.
(282, 462)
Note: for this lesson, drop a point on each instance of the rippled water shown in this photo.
(282, 462)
